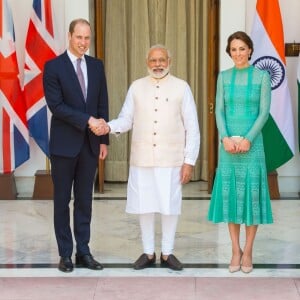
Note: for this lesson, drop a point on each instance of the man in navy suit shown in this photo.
(75, 141)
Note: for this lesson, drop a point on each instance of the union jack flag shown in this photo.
(14, 137)
(40, 47)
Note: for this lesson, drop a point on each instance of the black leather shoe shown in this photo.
(144, 262)
(87, 261)
(65, 264)
(172, 262)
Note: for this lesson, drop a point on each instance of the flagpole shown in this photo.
(47, 165)
(99, 30)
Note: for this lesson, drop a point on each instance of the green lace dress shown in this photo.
(240, 192)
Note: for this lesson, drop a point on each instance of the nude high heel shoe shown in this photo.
(246, 269)
(233, 269)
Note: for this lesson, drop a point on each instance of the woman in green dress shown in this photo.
(240, 193)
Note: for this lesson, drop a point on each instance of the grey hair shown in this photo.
(158, 46)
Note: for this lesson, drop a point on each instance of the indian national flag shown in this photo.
(298, 82)
(267, 36)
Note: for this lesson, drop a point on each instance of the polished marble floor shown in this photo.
(28, 254)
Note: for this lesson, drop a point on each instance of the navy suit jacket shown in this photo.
(70, 111)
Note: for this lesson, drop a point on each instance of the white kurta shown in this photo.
(157, 189)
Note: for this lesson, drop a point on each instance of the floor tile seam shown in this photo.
(212, 266)
(115, 198)
(121, 273)
(97, 198)
(193, 277)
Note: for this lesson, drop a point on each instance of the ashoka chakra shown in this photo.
(274, 67)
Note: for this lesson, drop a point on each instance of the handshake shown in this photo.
(98, 126)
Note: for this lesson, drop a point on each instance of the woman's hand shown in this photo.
(229, 145)
(243, 146)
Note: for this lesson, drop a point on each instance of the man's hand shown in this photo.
(98, 126)
(186, 173)
(103, 151)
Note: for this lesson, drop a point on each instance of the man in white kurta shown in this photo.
(161, 112)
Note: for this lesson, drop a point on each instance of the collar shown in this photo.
(73, 58)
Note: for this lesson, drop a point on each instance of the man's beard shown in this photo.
(159, 75)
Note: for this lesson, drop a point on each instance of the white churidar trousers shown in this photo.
(168, 227)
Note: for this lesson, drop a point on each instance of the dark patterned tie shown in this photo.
(80, 77)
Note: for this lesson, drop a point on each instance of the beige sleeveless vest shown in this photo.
(158, 134)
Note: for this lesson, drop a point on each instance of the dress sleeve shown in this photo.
(220, 108)
(264, 108)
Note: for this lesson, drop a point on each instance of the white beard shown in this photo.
(158, 75)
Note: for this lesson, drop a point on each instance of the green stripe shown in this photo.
(277, 150)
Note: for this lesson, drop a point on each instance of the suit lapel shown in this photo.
(88, 70)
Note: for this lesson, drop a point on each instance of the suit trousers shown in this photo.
(77, 172)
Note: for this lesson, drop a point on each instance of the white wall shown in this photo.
(235, 15)
(232, 18)
(238, 15)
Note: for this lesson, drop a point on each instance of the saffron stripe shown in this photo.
(271, 19)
